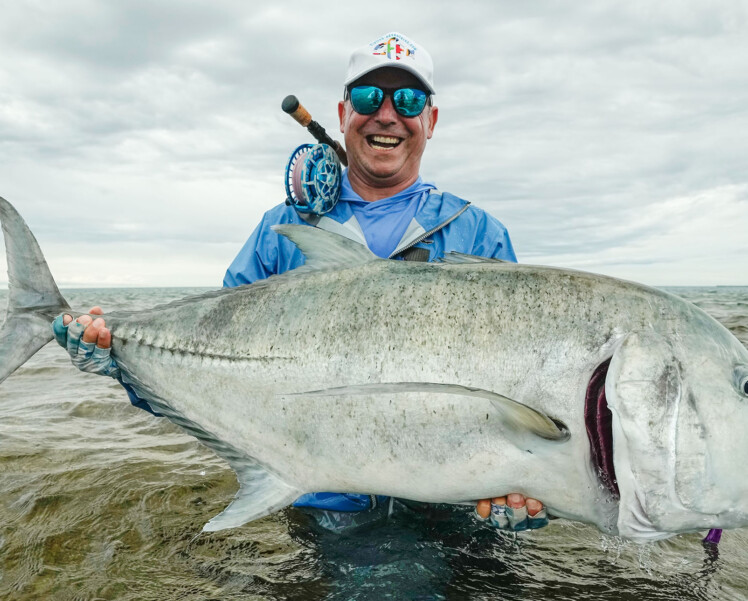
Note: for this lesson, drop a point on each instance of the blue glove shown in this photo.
(86, 356)
(507, 518)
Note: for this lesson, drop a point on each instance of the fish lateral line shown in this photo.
(203, 354)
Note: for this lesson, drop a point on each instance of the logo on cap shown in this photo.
(393, 48)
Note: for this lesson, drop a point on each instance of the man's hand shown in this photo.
(88, 342)
(513, 512)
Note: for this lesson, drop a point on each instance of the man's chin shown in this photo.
(384, 170)
(381, 172)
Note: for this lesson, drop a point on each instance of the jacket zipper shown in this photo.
(432, 231)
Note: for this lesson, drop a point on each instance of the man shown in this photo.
(387, 115)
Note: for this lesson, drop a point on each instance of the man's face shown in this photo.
(384, 148)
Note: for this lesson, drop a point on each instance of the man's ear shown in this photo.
(433, 118)
(341, 115)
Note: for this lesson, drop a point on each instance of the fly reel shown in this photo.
(313, 179)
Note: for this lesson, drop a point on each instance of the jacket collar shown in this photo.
(435, 210)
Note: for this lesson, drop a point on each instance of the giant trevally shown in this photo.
(616, 404)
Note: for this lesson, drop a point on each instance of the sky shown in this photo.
(143, 140)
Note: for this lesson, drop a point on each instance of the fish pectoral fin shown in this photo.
(260, 493)
(516, 416)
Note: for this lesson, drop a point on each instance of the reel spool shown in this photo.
(313, 179)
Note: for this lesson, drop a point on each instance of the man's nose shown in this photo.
(386, 113)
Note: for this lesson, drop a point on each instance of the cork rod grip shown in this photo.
(293, 107)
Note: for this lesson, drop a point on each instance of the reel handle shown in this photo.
(293, 107)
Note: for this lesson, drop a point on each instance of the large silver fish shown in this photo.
(616, 404)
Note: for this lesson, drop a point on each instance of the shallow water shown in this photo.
(99, 500)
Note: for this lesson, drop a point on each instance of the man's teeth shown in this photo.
(386, 141)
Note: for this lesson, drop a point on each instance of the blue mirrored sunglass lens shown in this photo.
(409, 102)
(366, 99)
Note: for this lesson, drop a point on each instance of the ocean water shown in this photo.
(99, 500)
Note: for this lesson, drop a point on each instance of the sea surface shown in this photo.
(100, 500)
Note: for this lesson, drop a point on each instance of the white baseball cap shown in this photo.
(392, 50)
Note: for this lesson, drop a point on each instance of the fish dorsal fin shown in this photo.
(518, 417)
(325, 250)
(455, 258)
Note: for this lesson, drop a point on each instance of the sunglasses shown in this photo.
(408, 102)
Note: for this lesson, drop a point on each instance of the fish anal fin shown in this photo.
(260, 493)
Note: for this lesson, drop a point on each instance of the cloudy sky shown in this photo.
(143, 140)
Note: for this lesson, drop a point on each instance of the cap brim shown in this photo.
(404, 67)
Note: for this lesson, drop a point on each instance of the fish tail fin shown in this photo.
(33, 297)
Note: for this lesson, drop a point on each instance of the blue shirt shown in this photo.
(385, 221)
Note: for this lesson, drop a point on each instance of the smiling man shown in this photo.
(387, 115)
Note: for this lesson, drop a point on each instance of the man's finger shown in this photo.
(483, 508)
(515, 500)
(105, 338)
(91, 333)
(96, 310)
(533, 506)
(66, 319)
(85, 320)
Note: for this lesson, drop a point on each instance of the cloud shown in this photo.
(606, 136)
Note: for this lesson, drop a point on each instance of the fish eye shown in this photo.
(741, 379)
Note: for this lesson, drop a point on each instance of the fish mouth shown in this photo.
(598, 420)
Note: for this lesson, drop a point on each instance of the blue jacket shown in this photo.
(443, 223)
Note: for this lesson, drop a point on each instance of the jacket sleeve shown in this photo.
(137, 401)
(473, 232)
(265, 253)
(492, 239)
